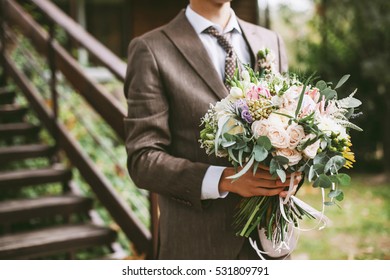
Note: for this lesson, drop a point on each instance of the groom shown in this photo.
(174, 73)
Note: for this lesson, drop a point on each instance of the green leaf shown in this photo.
(273, 166)
(329, 93)
(282, 174)
(329, 203)
(340, 197)
(260, 153)
(342, 81)
(281, 160)
(240, 153)
(265, 142)
(320, 158)
(319, 168)
(322, 181)
(311, 173)
(334, 164)
(244, 170)
(255, 167)
(344, 179)
(321, 85)
(334, 193)
(231, 154)
(227, 144)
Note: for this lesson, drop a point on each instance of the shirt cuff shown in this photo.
(210, 183)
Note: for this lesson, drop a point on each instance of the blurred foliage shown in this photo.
(358, 230)
(352, 37)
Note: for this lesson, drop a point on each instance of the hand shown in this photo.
(261, 184)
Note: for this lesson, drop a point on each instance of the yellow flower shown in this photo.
(349, 156)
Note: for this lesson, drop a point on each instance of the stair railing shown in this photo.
(109, 108)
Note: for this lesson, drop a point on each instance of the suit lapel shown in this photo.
(184, 37)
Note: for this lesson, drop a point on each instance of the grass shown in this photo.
(359, 230)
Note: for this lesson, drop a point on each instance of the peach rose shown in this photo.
(292, 154)
(311, 150)
(260, 128)
(278, 136)
(296, 133)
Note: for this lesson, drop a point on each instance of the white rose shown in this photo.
(279, 120)
(245, 76)
(260, 128)
(278, 136)
(311, 150)
(296, 133)
(236, 92)
(292, 154)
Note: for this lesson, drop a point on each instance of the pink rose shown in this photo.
(296, 133)
(292, 154)
(278, 136)
(260, 128)
(311, 150)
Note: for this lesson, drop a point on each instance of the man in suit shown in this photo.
(174, 73)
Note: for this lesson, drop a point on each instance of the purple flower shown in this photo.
(243, 110)
(246, 116)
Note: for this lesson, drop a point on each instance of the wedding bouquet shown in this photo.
(289, 125)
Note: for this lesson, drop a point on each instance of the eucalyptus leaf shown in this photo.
(282, 174)
(342, 81)
(265, 142)
(334, 164)
(334, 193)
(322, 181)
(329, 203)
(311, 173)
(281, 160)
(260, 153)
(321, 85)
(344, 179)
(273, 166)
(244, 170)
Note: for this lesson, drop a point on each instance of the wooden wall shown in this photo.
(114, 23)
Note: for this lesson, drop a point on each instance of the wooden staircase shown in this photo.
(24, 228)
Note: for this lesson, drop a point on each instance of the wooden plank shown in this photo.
(105, 192)
(109, 108)
(30, 177)
(7, 96)
(12, 112)
(78, 33)
(53, 240)
(20, 152)
(17, 210)
(18, 129)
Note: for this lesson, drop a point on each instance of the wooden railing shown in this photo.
(110, 109)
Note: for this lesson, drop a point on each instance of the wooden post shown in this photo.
(3, 77)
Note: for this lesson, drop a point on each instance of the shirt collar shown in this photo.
(200, 23)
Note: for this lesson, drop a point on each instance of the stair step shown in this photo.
(18, 129)
(18, 210)
(49, 241)
(25, 151)
(12, 112)
(21, 178)
(7, 96)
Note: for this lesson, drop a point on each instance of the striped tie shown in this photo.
(230, 60)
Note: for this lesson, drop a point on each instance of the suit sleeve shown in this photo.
(283, 63)
(148, 134)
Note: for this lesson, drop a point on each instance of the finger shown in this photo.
(262, 166)
(267, 192)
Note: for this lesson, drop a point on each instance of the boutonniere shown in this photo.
(265, 61)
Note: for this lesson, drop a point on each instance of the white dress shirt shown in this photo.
(217, 55)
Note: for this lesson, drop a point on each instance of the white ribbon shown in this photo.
(291, 188)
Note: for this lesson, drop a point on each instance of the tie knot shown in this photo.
(221, 39)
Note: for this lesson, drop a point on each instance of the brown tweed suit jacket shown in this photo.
(169, 85)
